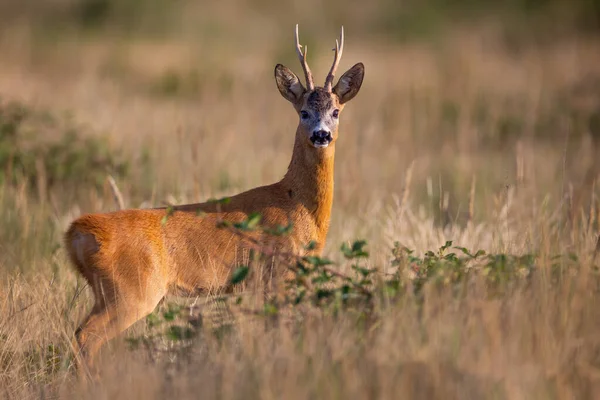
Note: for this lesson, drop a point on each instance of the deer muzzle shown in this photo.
(321, 138)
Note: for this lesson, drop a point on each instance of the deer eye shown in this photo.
(336, 113)
(304, 114)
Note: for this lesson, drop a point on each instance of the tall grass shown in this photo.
(473, 136)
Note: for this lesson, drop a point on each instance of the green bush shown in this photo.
(48, 152)
(355, 287)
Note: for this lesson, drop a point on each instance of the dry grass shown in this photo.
(461, 139)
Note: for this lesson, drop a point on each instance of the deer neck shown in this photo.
(309, 181)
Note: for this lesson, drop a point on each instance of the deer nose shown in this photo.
(321, 137)
(322, 134)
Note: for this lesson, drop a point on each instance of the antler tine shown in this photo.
(302, 57)
(339, 49)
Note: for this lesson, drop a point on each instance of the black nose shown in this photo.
(321, 134)
(321, 137)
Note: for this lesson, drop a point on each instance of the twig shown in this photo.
(118, 197)
(472, 199)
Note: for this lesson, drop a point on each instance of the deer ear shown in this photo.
(349, 84)
(288, 84)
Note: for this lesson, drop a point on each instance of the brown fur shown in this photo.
(132, 260)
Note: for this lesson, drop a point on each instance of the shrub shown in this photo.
(355, 288)
(47, 151)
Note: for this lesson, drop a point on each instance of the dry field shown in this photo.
(470, 135)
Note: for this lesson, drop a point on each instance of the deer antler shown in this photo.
(339, 48)
(302, 57)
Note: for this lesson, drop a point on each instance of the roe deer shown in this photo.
(133, 258)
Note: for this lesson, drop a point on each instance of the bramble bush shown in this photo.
(355, 286)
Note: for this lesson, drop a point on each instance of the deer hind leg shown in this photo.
(117, 305)
(112, 314)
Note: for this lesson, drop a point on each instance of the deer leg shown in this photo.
(110, 316)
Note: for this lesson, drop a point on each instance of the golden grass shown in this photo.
(421, 159)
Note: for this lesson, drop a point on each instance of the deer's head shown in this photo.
(319, 108)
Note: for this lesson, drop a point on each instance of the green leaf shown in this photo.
(250, 223)
(346, 250)
(321, 278)
(298, 299)
(450, 257)
(152, 320)
(356, 250)
(224, 200)
(270, 309)
(464, 251)
(446, 245)
(358, 245)
(179, 333)
(168, 212)
(239, 275)
(301, 268)
(223, 224)
(171, 313)
(311, 245)
(361, 270)
(253, 221)
(279, 230)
